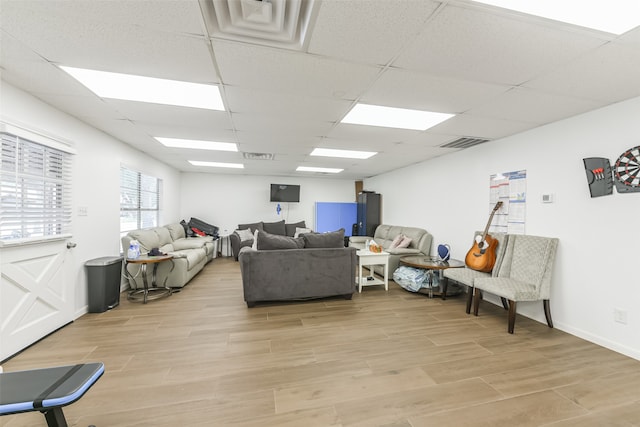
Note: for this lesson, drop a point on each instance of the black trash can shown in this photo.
(103, 279)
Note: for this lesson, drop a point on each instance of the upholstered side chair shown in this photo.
(524, 275)
(466, 276)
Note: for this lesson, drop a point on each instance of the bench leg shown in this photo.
(55, 417)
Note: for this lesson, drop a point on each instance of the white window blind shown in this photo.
(139, 200)
(35, 190)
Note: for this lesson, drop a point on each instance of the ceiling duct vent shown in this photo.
(258, 156)
(464, 142)
(277, 23)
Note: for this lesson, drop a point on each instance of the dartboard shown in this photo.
(627, 171)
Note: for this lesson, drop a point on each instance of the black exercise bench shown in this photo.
(47, 390)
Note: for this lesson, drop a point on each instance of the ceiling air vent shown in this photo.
(277, 23)
(464, 142)
(257, 156)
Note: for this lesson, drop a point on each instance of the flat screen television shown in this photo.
(285, 193)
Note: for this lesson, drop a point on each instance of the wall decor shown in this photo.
(625, 173)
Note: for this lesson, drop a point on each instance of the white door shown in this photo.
(36, 295)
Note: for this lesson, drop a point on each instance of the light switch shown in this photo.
(83, 211)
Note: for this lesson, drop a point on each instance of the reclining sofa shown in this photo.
(191, 254)
(420, 243)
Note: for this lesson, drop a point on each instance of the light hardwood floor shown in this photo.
(202, 358)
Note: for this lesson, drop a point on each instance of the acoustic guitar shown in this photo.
(482, 255)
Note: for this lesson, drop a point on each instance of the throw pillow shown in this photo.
(274, 227)
(405, 242)
(254, 245)
(291, 228)
(300, 230)
(269, 242)
(245, 234)
(396, 241)
(332, 239)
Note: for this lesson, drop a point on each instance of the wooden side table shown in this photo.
(368, 258)
(148, 292)
(433, 266)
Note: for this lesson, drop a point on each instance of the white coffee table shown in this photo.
(368, 258)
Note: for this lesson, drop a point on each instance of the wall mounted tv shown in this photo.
(285, 193)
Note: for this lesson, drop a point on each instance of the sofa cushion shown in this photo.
(291, 228)
(277, 227)
(267, 241)
(164, 236)
(396, 241)
(182, 244)
(244, 235)
(148, 239)
(176, 231)
(332, 239)
(253, 227)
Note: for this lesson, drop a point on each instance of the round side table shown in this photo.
(151, 290)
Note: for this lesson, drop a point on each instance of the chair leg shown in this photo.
(504, 303)
(477, 295)
(469, 298)
(512, 316)
(547, 312)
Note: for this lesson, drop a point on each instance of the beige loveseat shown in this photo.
(191, 254)
(384, 235)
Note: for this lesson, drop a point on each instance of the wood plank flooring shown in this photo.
(393, 359)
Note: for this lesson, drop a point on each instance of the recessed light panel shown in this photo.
(345, 154)
(612, 16)
(217, 164)
(148, 89)
(197, 144)
(314, 169)
(376, 115)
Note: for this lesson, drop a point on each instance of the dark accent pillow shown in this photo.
(188, 232)
(269, 242)
(332, 239)
(274, 227)
(291, 228)
(253, 227)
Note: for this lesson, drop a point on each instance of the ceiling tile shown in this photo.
(473, 44)
(368, 32)
(289, 72)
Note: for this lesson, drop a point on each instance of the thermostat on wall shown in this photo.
(547, 198)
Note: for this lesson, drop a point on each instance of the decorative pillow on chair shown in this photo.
(245, 235)
(254, 245)
(269, 242)
(332, 239)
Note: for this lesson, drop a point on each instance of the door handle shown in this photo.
(71, 245)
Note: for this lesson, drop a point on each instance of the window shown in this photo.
(35, 190)
(139, 200)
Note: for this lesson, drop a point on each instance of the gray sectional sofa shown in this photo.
(191, 254)
(285, 268)
(385, 234)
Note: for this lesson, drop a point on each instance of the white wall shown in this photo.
(229, 200)
(96, 180)
(596, 267)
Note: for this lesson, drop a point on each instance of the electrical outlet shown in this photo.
(620, 315)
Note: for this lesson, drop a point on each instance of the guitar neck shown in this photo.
(486, 229)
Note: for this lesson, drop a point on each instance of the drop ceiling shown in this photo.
(287, 84)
